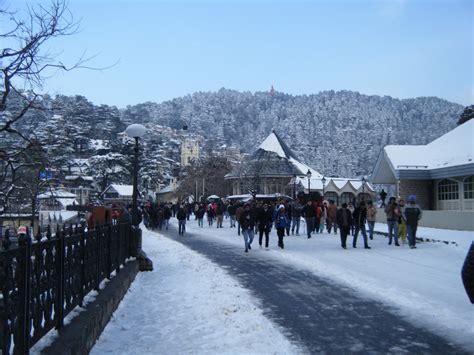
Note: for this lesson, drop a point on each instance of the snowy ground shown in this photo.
(188, 305)
(188, 295)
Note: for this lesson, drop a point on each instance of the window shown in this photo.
(448, 190)
(346, 197)
(331, 196)
(469, 188)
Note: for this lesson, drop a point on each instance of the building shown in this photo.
(189, 151)
(53, 208)
(274, 169)
(440, 173)
(118, 194)
(168, 193)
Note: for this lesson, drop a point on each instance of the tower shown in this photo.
(189, 151)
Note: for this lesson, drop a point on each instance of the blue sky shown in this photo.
(167, 49)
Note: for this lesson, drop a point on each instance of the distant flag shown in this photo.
(272, 91)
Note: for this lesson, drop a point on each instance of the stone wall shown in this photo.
(79, 336)
(423, 189)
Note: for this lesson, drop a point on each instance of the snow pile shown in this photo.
(188, 305)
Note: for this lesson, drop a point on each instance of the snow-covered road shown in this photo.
(193, 297)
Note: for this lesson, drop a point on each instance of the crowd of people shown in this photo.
(260, 217)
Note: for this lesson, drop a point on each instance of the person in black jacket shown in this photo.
(247, 223)
(359, 219)
(467, 273)
(344, 221)
(181, 216)
(265, 219)
(309, 214)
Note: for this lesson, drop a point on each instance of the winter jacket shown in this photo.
(247, 219)
(231, 209)
(412, 214)
(238, 212)
(308, 212)
(181, 214)
(371, 214)
(167, 213)
(467, 273)
(296, 211)
(332, 211)
(360, 216)
(344, 217)
(392, 211)
(264, 218)
(281, 220)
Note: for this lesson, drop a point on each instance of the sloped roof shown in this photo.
(122, 190)
(275, 158)
(448, 155)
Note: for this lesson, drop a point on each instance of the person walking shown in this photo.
(402, 227)
(281, 223)
(181, 215)
(308, 213)
(264, 219)
(296, 217)
(344, 221)
(219, 214)
(238, 213)
(467, 273)
(412, 215)
(332, 216)
(359, 219)
(210, 215)
(371, 217)
(351, 208)
(200, 216)
(392, 212)
(166, 216)
(383, 196)
(324, 217)
(231, 210)
(247, 223)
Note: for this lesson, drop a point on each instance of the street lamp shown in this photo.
(364, 179)
(135, 131)
(308, 175)
(323, 180)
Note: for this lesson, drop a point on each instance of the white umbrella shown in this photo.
(213, 197)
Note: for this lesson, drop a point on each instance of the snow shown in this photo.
(188, 305)
(434, 155)
(58, 194)
(123, 190)
(186, 294)
(271, 144)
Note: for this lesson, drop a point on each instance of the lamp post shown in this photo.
(294, 186)
(323, 180)
(364, 179)
(135, 131)
(308, 175)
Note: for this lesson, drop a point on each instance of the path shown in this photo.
(319, 314)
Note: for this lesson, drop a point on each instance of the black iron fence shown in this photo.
(44, 279)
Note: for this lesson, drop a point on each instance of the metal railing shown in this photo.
(44, 279)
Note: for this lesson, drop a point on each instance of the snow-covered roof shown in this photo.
(454, 148)
(123, 190)
(58, 194)
(75, 177)
(448, 155)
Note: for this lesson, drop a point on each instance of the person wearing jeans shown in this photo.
(247, 223)
(412, 214)
(181, 216)
(359, 219)
(392, 212)
(371, 217)
(295, 218)
(309, 214)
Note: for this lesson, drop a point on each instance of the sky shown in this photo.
(160, 50)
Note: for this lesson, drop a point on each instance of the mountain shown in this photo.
(338, 133)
